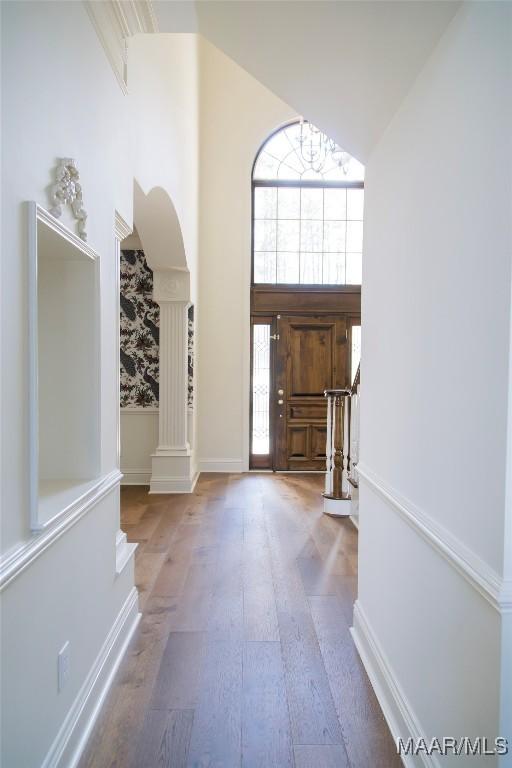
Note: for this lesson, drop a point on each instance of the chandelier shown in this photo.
(316, 148)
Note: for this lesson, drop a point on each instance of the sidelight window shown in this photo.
(308, 197)
(260, 439)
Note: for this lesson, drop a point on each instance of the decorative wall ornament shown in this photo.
(190, 394)
(171, 285)
(139, 332)
(67, 189)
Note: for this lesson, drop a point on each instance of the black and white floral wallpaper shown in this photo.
(191, 358)
(140, 319)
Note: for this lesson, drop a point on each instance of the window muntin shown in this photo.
(307, 221)
(281, 158)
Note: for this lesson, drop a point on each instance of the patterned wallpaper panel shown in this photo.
(140, 320)
(190, 395)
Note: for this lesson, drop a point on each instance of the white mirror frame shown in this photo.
(38, 214)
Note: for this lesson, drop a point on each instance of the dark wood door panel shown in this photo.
(318, 441)
(298, 447)
(311, 359)
(310, 356)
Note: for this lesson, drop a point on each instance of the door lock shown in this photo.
(275, 337)
(280, 402)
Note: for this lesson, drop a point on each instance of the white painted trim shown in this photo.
(136, 476)
(36, 214)
(400, 716)
(69, 744)
(234, 466)
(12, 564)
(337, 507)
(124, 551)
(114, 21)
(139, 411)
(173, 484)
(478, 573)
(121, 228)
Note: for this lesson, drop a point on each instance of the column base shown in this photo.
(172, 472)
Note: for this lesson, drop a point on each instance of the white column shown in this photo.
(172, 463)
(172, 420)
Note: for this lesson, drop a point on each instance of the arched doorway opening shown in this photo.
(156, 350)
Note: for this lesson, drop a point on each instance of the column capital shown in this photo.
(171, 285)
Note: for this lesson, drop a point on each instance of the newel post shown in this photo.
(336, 496)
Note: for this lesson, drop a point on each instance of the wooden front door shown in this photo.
(310, 356)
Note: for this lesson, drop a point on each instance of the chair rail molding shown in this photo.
(116, 20)
(13, 563)
(479, 574)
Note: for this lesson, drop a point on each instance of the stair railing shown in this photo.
(342, 445)
(337, 449)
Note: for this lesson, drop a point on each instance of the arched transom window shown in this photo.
(307, 210)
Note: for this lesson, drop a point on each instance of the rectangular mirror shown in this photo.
(64, 368)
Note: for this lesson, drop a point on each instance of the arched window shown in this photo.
(307, 210)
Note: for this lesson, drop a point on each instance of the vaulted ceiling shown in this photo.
(344, 65)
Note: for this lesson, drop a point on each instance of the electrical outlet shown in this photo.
(63, 666)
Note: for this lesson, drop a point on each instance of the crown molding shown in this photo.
(114, 22)
(121, 228)
(135, 16)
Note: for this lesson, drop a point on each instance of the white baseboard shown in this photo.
(397, 710)
(233, 466)
(69, 744)
(136, 476)
(173, 484)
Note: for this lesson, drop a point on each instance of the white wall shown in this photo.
(237, 115)
(60, 98)
(345, 65)
(139, 439)
(163, 80)
(139, 426)
(436, 320)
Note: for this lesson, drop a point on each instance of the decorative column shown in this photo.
(172, 469)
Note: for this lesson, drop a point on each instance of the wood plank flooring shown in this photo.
(243, 656)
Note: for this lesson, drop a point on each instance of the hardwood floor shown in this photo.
(243, 655)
